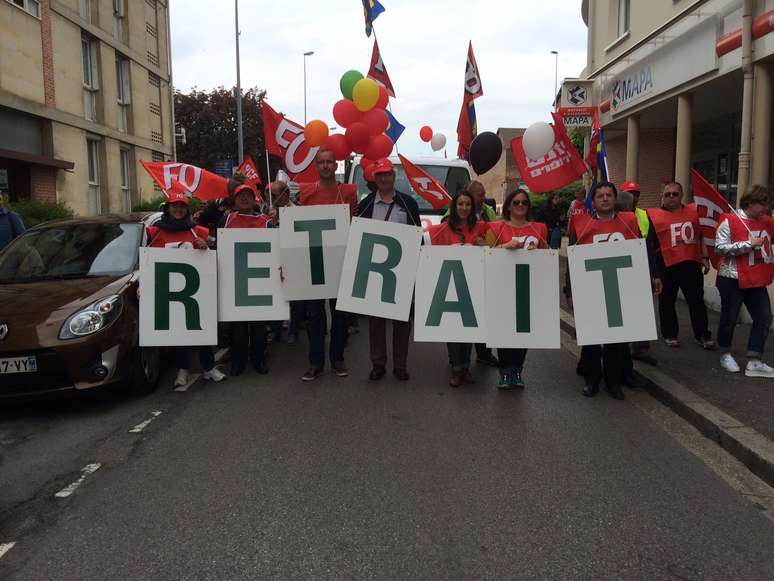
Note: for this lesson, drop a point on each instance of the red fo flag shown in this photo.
(181, 178)
(425, 185)
(710, 204)
(249, 170)
(467, 128)
(560, 166)
(285, 139)
(378, 72)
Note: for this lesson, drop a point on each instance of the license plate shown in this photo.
(26, 364)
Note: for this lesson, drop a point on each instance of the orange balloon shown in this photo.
(316, 133)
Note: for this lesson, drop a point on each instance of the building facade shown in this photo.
(85, 95)
(503, 177)
(669, 82)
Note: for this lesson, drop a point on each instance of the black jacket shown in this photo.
(365, 209)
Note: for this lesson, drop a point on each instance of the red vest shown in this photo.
(158, 238)
(755, 269)
(237, 220)
(622, 227)
(678, 234)
(577, 208)
(534, 232)
(315, 195)
(442, 234)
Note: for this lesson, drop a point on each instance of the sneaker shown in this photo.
(214, 374)
(505, 381)
(757, 368)
(467, 376)
(182, 378)
(312, 373)
(672, 342)
(516, 379)
(456, 379)
(708, 344)
(728, 363)
(340, 369)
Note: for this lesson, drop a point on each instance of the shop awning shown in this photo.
(36, 159)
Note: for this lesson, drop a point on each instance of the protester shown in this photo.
(577, 207)
(462, 226)
(175, 229)
(516, 230)
(552, 217)
(326, 191)
(607, 361)
(743, 240)
(11, 225)
(389, 205)
(682, 247)
(246, 336)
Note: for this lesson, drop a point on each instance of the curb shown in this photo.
(747, 445)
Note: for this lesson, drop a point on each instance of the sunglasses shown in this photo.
(672, 194)
(520, 203)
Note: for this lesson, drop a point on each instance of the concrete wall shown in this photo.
(20, 39)
(72, 187)
(68, 66)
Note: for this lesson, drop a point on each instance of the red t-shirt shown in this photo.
(315, 194)
(158, 238)
(532, 232)
(443, 235)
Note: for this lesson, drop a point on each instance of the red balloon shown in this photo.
(345, 113)
(365, 162)
(357, 136)
(384, 98)
(380, 146)
(377, 121)
(426, 133)
(337, 143)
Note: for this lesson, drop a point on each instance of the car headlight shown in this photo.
(92, 318)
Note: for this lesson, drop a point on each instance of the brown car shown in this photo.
(69, 316)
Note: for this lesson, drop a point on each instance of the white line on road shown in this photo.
(191, 380)
(142, 425)
(85, 471)
(4, 548)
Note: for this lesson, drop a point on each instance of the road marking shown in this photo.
(4, 548)
(142, 425)
(191, 380)
(85, 471)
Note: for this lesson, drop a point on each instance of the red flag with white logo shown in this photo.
(710, 204)
(285, 139)
(425, 185)
(467, 126)
(378, 72)
(250, 172)
(182, 178)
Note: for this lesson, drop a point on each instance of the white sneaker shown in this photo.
(728, 363)
(214, 374)
(757, 368)
(182, 377)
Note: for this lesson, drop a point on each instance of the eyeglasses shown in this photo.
(520, 203)
(672, 194)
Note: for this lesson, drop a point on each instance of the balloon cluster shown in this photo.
(362, 114)
(437, 140)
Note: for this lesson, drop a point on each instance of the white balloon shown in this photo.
(538, 140)
(438, 142)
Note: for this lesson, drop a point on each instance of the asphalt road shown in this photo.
(268, 477)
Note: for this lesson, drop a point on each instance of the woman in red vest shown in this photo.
(514, 231)
(462, 226)
(175, 229)
(743, 241)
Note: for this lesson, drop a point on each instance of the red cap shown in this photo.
(178, 197)
(628, 186)
(383, 165)
(368, 172)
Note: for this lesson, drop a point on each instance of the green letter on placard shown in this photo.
(315, 229)
(242, 274)
(522, 299)
(163, 296)
(463, 305)
(609, 268)
(366, 265)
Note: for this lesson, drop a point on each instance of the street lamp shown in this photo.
(556, 72)
(240, 133)
(306, 54)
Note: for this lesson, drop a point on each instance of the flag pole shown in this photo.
(240, 136)
(389, 104)
(268, 173)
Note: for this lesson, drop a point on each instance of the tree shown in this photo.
(576, 136)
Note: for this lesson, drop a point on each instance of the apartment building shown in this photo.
(85, 94)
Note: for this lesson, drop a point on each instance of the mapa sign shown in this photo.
(629, 89)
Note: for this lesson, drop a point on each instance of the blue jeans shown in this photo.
(555, 237)
(510, 358)
(459, 355)
(316, 324)
(296, 316)
(183, 357)
(758, 305)
(248, 338)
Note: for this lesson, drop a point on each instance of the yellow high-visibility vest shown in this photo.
(642, 221)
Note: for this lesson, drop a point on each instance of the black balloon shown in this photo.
(485, 152)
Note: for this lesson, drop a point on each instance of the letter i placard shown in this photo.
(611, 291)
(178, 297)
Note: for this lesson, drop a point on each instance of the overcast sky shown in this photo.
(423, 44)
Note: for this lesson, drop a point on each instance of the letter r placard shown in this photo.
(611, 290)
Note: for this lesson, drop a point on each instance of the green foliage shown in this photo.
(34, 212)
(154, 205)
(577, 139)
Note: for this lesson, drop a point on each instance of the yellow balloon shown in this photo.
(365, 95)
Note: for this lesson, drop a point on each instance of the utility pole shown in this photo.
(240, 135)
(306, 54)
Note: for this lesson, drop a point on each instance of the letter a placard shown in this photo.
(178, 297)
(379, 269)
(313, 240)
(611, 291)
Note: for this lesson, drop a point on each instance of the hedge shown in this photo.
(34, 212)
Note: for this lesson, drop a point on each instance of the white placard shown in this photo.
(611, 292)
(313, 240)
(450, 295)
(522, 298)
(379, 269)
(178, 297)
(249, 281)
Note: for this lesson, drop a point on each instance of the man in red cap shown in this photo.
(391, 206)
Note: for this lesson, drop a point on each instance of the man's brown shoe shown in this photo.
(312, 373)
(401, 374)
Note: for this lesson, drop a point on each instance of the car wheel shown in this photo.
(146, 370)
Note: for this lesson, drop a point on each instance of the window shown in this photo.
(623, 17)
(126, 195)
(119, 20)
(84, 9)
(90, 82)
(123, 91)
(30, 6)
(92, 154)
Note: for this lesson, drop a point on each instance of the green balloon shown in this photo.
(348, 81)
